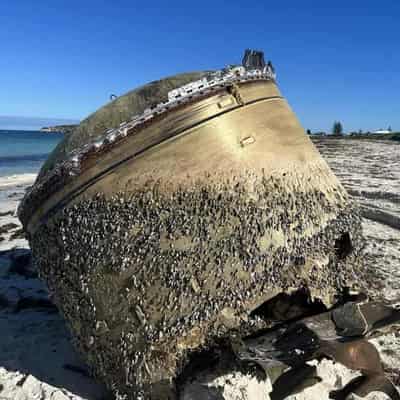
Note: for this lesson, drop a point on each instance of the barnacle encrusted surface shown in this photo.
(146, 276)
(159, 238)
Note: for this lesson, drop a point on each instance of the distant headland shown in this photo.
(59, 128)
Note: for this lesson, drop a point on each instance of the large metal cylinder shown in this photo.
(166, 239)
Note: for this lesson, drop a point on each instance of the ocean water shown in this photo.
(24, 152)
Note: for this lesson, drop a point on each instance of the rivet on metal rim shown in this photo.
(247, 140)
(228, 101)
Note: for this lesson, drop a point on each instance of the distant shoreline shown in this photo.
(58, 129)
(395, 136)
(38, 130)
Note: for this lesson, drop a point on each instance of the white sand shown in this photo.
(16, 180)
(11, 191)
(35, 346)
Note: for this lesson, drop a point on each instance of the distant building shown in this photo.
(319, 134)
(383, 131)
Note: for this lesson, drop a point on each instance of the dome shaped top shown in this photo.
(111, 115)
(125, 115)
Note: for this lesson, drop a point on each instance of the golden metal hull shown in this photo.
(169, 238)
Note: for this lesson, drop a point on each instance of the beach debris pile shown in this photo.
(339, 334)
(283, 354)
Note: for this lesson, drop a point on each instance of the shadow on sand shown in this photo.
(34, 338)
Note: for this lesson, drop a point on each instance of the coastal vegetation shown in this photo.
(392, 136)
(337, 129)
(376, 136)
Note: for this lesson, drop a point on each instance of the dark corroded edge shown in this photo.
(143, 278)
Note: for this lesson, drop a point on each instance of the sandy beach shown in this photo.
(38, 360)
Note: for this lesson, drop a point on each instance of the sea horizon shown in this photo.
(21, 130)
(24, 151)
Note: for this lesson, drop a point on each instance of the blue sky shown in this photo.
(335, 60)
(22, 123)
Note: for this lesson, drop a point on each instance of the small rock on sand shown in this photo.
(8, 227)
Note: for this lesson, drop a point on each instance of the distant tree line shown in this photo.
(337, 129)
